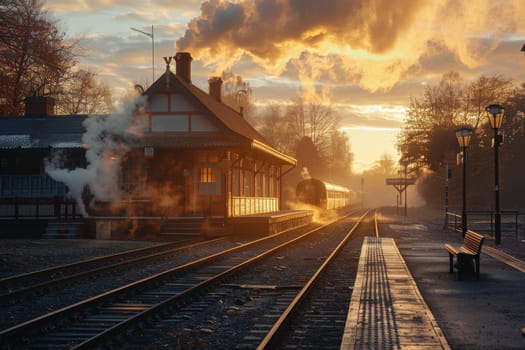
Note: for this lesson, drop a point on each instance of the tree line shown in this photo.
(428, 142)
(36, 58)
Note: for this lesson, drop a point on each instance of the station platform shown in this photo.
(405, 298)
(386, 310)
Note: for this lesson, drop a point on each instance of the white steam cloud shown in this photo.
(107, 139)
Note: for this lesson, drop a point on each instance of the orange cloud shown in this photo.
(373, 43)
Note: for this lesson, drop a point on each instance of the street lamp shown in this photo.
(495, 114)
(463, 135)
(152, 50)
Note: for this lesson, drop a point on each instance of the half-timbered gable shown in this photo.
(204, 154)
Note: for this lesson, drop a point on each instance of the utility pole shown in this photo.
(445, 226)
(151, 35)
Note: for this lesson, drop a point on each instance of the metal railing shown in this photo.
(483, 221)
(37, 208)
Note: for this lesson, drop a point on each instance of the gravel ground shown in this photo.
(21, 256)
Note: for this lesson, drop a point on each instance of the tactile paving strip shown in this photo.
(386, 309)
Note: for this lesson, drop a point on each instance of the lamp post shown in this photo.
(404, 164)
(495, 114)
(152, 50)
(463, 135)
(445, 225)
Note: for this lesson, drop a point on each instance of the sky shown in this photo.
(365, 58)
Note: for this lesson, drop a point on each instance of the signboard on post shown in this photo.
(400, 181)
(401, 184)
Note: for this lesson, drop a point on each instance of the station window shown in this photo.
(208, 175)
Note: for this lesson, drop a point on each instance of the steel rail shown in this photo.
(61, 268)
(39, 287)
(272, 337)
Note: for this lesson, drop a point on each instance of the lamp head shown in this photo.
(463, 135)
(495, 115)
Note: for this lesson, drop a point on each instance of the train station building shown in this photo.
(188, 155)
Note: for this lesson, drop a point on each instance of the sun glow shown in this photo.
(369, 144)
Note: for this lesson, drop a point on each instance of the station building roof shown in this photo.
(233, 130)
(41, 132)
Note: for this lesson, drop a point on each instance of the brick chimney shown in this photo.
(183, 66)
(39, 106)
(215, 87)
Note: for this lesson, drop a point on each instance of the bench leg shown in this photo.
(451, 263)
(462, 264)
(477, 267)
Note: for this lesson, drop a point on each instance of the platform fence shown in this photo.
(483, 221)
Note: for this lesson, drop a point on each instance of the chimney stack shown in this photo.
(183, 66)
(39, 106)
(215, 88)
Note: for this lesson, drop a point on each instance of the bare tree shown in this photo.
(81, 93)
(428, 134)
(482, 92)
(34, 55)
(274, 126)
(340, 158)
(313, 120)
(428, 139)
(237, 94)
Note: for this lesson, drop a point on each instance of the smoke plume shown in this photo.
(107, 139)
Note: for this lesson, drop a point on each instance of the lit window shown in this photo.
(208, 175)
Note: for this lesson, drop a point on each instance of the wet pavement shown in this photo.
(472, 314)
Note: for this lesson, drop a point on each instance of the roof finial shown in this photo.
(168, 61)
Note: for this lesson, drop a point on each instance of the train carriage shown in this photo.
(323, 194)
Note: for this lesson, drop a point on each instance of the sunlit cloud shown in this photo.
(67, 6)
(374, 44)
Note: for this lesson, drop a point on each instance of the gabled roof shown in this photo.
(231, 119)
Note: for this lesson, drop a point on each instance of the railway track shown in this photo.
(256, 308)
(99, 319)
(16, 287)
(41, 296)
(317, 307)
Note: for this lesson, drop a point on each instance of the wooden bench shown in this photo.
(468, 253)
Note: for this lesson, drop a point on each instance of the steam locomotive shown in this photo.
(323, 194)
